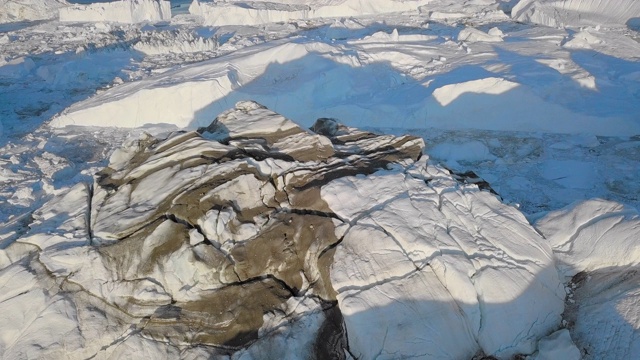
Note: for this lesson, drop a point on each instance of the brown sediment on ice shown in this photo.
(240, 201)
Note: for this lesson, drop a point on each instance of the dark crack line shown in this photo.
(261, 278)
(131, 331)
(319, 213)
(332, 246)
(88, 219)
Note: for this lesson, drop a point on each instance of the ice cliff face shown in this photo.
(561, 13)
(255, 238)
(123, 11)
(260, 12)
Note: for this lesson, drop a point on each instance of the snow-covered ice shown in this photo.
(505, 225)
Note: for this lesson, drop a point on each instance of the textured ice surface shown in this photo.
(217, 239)
(392, 70)
(235, 237)
(596, 243)
(460, 243)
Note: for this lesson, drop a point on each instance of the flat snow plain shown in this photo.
(537, 99)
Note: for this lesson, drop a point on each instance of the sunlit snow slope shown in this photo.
(361, 80)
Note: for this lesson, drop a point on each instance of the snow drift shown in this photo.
(123, 11)
(29, 10)
(260, 12)
(561, 13)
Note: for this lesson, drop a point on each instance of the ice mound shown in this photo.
(122, 11)
(29, 10)
(260, 12)
(596, 246)
(593, 235)
(255, 238)
(561, 13)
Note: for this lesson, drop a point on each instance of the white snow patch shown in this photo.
(246, 13)
(582, 40)
(306, 81)
(499, 104)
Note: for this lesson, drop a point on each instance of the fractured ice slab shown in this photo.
(253, 236)
(482, 258)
